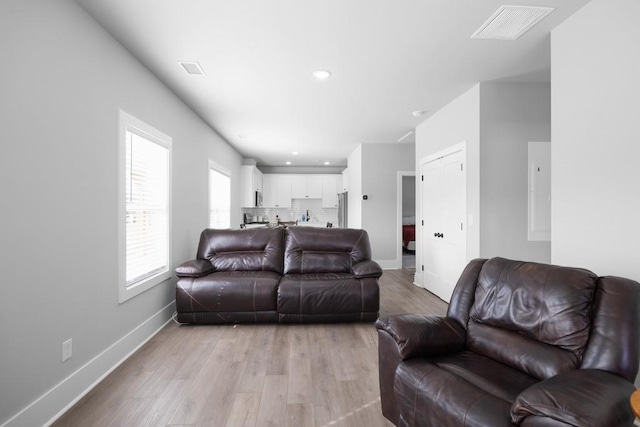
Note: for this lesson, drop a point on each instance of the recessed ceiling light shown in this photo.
(295, 153)
(321, 74)
(288, 163)
(192, 68)
(418, 113)
(326, 163)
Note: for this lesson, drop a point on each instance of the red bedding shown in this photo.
(408, 234)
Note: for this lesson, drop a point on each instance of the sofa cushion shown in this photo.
(546, 304)
(319, 294)
(493, 377)
(228, 291)
(428, 395)
(255, 249)
(535, 358)
(324, 250)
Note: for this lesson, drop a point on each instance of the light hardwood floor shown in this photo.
(254, 375)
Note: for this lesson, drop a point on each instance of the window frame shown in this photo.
(223, 171)
(127, 122)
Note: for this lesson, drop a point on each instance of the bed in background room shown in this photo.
(409, 233)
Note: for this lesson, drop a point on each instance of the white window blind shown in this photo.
(145, 207)
(147, 195)
(219, 198)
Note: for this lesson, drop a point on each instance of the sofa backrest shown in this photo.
(255, 249)
(614, 344)
(533, 317)
(324, 250)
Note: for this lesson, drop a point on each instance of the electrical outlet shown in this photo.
(67, 350)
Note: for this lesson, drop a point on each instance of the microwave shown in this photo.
(258, 199)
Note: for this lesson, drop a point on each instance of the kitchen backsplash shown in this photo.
(298, 208)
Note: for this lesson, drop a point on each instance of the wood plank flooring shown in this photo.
(254, 375)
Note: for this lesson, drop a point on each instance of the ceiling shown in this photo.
(387, 60)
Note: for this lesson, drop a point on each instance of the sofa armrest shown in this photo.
(367, 268)
(582, 397)
(423, 336)
(194, 268)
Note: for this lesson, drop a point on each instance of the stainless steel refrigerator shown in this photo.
(342, 210)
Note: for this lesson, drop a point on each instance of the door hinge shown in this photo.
(461, 167)
(422, 222)
(461, 227)
(423, 267)
(422, 177)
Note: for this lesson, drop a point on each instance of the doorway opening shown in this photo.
(406, 250)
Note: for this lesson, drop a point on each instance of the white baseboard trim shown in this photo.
(390, 264)
(46, 409)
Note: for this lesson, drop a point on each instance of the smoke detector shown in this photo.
(511, 22)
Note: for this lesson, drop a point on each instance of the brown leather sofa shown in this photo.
(523, 343)
(294, 274)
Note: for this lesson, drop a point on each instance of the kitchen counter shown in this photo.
(299, 224)
(256, 224)
(311, 224)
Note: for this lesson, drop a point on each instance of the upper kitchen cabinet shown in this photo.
(251, 184)
(277, 191)
(306, 186)
(331, 186)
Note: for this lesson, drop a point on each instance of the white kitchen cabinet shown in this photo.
(277, 191)
(298, 186)
(284, 191)
(250, 181)
(314, 186)
(331, 186)
(306, 186)
(269, 191)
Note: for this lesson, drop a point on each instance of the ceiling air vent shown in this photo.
(510, 22)
(192, 68)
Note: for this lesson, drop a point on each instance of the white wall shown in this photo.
(511, 115)
(62, 81)
(409, 195)
(596, 148)
(496, 120)
(458, 121)
(380, 166)
(354, 194)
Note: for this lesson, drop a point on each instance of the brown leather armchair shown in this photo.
(522, 344)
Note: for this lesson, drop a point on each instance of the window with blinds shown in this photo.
(145, 206)
(219, 197)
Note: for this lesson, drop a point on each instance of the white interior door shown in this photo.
(444, 212)
(431, 195)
